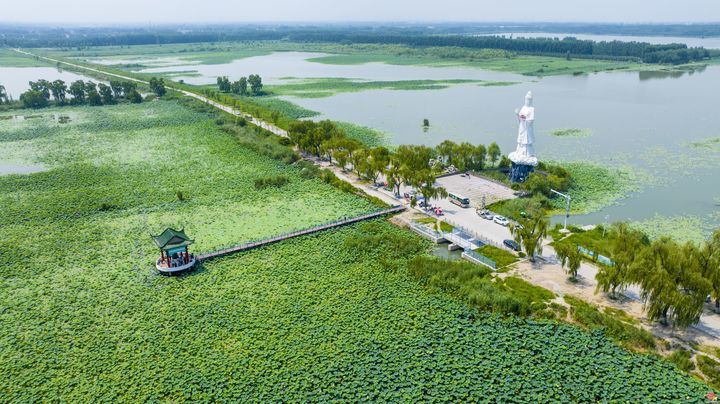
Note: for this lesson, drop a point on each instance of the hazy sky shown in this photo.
(160, 11)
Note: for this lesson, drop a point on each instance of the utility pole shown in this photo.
(567, 205)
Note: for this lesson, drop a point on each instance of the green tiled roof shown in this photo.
(171, 238)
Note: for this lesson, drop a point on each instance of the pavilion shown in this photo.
(174, 255)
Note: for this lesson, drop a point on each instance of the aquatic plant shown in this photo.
(333, 316)
(571, 132)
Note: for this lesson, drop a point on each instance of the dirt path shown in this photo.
(554, 278)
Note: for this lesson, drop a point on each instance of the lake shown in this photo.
(642, 121)
(277, 66)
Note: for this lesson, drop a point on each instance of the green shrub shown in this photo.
(433, 221)
(472, 284)
(275, 181)
(710, 368)
(625, 334)
(258, 141)
(681, 359)
(501, 257)
(308, 169)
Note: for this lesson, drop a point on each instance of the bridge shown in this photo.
(462, 240)
(315, 229)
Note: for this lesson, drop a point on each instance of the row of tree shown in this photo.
(240, 87)
(83, 92)
(641, 51)
(412, 165)
(465, 156)
(675, 278)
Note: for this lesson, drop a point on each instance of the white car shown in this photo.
(485, 214)
(501, 220)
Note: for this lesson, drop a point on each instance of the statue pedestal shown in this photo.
(520, 172)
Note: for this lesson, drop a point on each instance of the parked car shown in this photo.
(501, 220)
(485, 214)
(511, 244)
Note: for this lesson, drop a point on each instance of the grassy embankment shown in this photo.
(10, 58)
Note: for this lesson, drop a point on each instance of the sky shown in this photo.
(168, 11)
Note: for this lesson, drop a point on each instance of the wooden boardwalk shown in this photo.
(315, 229)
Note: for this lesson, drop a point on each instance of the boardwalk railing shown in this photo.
(479, 258)
(476, 235)
(426, 230)
(258, 243)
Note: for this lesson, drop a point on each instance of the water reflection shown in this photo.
(441, 251)
(670, 74)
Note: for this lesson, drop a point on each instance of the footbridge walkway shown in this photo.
(315, 229)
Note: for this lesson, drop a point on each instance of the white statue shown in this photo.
(524, 153)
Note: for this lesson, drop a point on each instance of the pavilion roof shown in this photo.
(171, 238)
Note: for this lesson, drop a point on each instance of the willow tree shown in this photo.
(626, 244)
(570, 259)
(673, 287)
(494, 152)
(531, 232)
(426, 185)
(394, 174)
(709, 261)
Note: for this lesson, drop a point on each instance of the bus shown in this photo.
(459, 200)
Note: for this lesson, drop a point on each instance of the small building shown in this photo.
(174, 254)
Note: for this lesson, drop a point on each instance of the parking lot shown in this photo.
(475, 188)
(467, 219)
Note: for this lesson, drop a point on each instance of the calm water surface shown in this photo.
(15, 79)
(273, 68)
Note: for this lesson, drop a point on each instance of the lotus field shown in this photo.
(333, 316)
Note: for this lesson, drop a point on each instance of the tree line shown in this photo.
(52, 36)
(251, 85)
(641, 51)
(83, 92)
(412, 165)
(675, 279)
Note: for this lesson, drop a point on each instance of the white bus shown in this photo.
(459, 200)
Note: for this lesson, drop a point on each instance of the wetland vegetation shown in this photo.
(97, 323)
